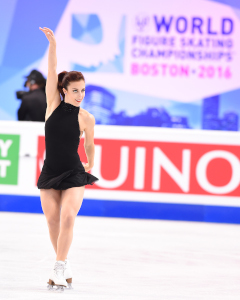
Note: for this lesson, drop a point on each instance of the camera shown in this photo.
(20, 94)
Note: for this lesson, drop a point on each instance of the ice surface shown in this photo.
(122, 259)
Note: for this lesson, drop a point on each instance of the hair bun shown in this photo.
(60, 80)
(64, 79)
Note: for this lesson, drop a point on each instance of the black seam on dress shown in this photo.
(79, 124)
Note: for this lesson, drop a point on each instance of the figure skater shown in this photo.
(64, 176)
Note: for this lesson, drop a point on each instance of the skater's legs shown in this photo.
(71, 202)
(51, 206)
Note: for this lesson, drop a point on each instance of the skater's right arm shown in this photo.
(52, 93)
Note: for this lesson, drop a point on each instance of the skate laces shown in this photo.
(59, 269)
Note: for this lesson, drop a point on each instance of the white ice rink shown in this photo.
(122, 259)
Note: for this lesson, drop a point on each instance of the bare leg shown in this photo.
(71, 202)
(51, 206)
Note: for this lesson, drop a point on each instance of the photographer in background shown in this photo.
(34, 104)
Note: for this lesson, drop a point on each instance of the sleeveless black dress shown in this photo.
(62, 168)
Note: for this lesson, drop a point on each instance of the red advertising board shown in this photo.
(162, 167)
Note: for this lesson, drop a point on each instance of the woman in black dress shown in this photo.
(64, 176)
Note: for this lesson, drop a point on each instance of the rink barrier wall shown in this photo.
(131, 209)
(144, 172)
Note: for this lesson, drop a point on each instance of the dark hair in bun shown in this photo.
(64, 79)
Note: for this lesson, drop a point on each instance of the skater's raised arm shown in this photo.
(52, 77)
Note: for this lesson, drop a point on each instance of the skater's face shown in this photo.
(75, 92)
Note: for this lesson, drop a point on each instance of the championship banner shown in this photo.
(152, 46)
(158, 63)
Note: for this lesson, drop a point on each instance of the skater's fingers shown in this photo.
(46, 30)
(49, 34)
(43, 30)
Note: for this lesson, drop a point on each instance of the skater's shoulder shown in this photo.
(86, 117)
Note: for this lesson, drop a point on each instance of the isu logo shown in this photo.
(165, 167)
(141, 22)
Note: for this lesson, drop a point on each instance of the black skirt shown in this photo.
(71, 178)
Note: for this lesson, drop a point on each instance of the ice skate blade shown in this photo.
(69, 287)
(69, 282)
(55, 287)
(60, 288)
(50, 287)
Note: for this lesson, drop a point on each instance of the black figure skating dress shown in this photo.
(62, 168)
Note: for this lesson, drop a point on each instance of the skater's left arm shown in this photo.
(89, 142)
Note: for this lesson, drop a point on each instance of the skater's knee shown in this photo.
(53, 222)
(68, 220)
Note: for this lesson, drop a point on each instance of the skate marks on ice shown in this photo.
(122, 259)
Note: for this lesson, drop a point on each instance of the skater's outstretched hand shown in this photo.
(49, 34)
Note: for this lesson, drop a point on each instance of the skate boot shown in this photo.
(57, 277)
(68, 274)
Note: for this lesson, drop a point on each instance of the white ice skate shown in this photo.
(57, 276)
(68, 274)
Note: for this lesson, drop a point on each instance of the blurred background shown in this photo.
(162, 80)
(175, 66)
